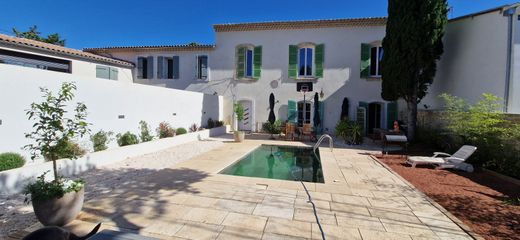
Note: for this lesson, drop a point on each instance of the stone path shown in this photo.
(189, 200)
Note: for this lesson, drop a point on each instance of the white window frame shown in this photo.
(378, 47)
(197, 67)
(313, 67)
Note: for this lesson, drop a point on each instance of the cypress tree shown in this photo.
(412, 46)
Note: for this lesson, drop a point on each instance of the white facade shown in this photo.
(341, 76)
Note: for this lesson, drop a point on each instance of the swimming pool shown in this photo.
(279, 162)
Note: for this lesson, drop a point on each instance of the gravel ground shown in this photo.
(478, 198)
(15, 215)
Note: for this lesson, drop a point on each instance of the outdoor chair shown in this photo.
(289, 131)
(445, 160)
(307, 131)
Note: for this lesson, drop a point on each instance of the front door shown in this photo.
(304, 113)
(374, 117)
(247, 123)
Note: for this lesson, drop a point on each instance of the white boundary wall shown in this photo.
(13, 181)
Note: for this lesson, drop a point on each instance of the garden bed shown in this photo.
(480, 199)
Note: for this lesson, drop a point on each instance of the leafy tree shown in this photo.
(53, 129)
(412, 46)
(34, 34)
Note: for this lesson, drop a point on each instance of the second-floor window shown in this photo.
(145, 67)
(305, 61)
(376, 55)
(168, 67)
(248, 61)
(202, 67)
(371, 56)
(107, 72)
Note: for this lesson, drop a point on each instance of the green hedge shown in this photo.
(181, 131)
(11, 160)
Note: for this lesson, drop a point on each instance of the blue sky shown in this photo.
(98, 23)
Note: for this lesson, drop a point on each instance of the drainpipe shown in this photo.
(510, 13)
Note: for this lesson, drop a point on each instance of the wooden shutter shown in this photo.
(140, 66)
(176, 67)
(257, 62)
(319, 59)
(292, 111)
(391, 114)
(102, 72)
(160, 66)
(241, 62)
(293, 61)
(114, 73)
(149, 72)
(365, 60)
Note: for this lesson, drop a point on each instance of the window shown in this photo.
(202, 67)
(168, 67)
(145, 67)
(248, 61)
(304, 113)
(34, 61)
(376, 55)
(107, 72)
(305, 62)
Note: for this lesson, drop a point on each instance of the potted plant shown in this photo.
(239, 113)
(58, 201)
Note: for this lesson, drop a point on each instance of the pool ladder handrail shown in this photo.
(318, 143)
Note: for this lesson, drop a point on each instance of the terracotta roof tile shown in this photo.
(22, 42)
(180, 47)
(282, 25)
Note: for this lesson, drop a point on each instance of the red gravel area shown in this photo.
(475, 198)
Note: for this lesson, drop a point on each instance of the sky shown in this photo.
(102, 23)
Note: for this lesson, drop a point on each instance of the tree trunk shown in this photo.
(55, 168)
(412, 118)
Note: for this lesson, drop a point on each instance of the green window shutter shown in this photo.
(293, 61)
(114, 73)
(241, 59)
(160, 66)
(257, 62)
(292, 111)
(140, 66)
(102, 72)
(365, 60)
(361, 116)
(391, 114)
(176, 67)
(319, 59)
(149, 72)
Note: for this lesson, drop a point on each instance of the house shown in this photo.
(45, 56)
(481, 55)
(294, 60)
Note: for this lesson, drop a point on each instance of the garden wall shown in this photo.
(13, 181)
(112, 105)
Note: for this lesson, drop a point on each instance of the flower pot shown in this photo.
(59, 211)
(239, 136)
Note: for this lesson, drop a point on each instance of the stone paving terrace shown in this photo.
(360, 199)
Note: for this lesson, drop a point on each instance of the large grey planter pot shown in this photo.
(59, 211)
(239, 136)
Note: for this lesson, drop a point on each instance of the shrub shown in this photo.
(100, 140)
(274, 128)
(144, 134)
(72, 150)
(211, 123)
(219, 123)
(10, 160)
(127, 138)
(350, 131)
(486, 127)
(193, 128)
(165, 130)
(181, 131)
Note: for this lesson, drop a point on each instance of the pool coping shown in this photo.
(449, 215)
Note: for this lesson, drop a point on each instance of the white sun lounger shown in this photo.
(445, 160)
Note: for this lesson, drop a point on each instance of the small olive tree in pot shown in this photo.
(239, 113)
(55, 202)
